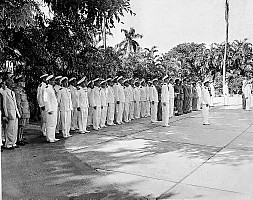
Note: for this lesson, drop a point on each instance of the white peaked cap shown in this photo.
(165, 77)
(58, 77)
(125, 80)
(96, 79)
(49, 77)
(155, 79)
(119, 78)
(102, 82)
(82, 80)
(109, 79)
(72, 79)
(63, 78)
(44, 75)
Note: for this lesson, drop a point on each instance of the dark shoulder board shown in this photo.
(61, 88)
(40, 85)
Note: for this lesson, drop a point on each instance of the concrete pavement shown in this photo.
(140, 160)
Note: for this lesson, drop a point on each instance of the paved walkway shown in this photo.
(140, 161)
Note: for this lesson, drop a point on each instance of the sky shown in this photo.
(166, 23)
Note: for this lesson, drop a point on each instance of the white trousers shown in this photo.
(248, 103)
(165, 114)
(74, 119)
(51, 126)
(137, 110)
(58, 125)
(198, 104)
(43, 122)
(66, 122)
(226, 100)
(143, 109)
(96, 117)
(154, 112)
(148, 108)
(171, 107)
(110, 113)
(126, 111)
(1, 142)
(120, 108)
(205, 112)
(82, 120)
(131, 110)
(11, 133)
(211, 103)
(103, 116)
(90, 116)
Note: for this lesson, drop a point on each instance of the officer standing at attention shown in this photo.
(171, 97)
(104, 105)
(111, 103)
(165, 102)
(23, 107)
(127, 101)
(96, 104)
(206, 100)
(137, 97)
(65, 106)
(56, 89)
(148, 85)
(74, 94)
(83, 105)
(131, 90)
(154, 100)
(90, 86)
(143, 99)
(120, 99)
(51, 107)
(40, 99)
(177, 97)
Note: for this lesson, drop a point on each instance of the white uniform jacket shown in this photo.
(50, 99)
(110, 95)
(119, 93)
(64, 99)
(143, 94)
(74, 96)
(103, 93)
(154, 94)
(40, 94)
(165, 93)
(206, 98)
(83, 100)
(171, 91)
(127, 94)
(95, 97)
(137, 94)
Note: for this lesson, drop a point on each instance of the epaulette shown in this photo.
(40, 85)
(61, 88)
(47, 86)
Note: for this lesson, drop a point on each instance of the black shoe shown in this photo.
(17, 146)
(9, 148)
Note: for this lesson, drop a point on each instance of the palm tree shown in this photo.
(129, 44)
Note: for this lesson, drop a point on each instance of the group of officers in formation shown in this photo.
(76, 105)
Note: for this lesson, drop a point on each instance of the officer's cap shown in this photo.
(119, 78)
(82, 80)
(155, 79)
(49, 77)
(20, 79)
(62, 79)
(165, 77)
(109, 79)
(96, 79)
(72, 79)
(102, 82)
(43, 76)
(58, 77)
(126, 80)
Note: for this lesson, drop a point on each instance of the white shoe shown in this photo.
(166, 125)
(87, 131)
(56, 140)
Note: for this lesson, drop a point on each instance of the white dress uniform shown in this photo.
(90, 109)
(127, 104)
(165, 108)
(131, 108)
(206, 100)
(120, 96)
(171, 98)
(58, 126)
(51, 105)
(147, 101)
(65, 106)
(40, 99)
(143, 101)
(74, 115)
(116, 110)
(154, 106)
(83, 104)
(137, 97)
(96, 105)
(111, 106)
(103, 92)
(247, 93)
(199, 92)
(11, 111)
(212, 93)
(226, 94)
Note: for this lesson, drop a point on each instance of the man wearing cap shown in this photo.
(11, 113)
(165, 102)
(115, 85)
(247, 94)
(127, 101)
(74, 94)
(83, 105)
(65, 107)
(177, 96)
(90, 86)
(154, 101)
(110, 102)
(199, 93)
(137, 98)
(131, 93)
(143, 99)
(96, 104)
(104, 104)
(40, 99)
(171, 97)
(51, 107)
(148, 85)
(206, 100)
(120, 100)
(56, 89)
(186, 96)
(23, 107)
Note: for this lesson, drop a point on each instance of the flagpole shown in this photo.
(226, 44)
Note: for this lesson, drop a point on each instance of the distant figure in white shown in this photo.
(212, 93)
(206, 100)
(247, 94)
(166, 102)
(226, 94)
(199, 92)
